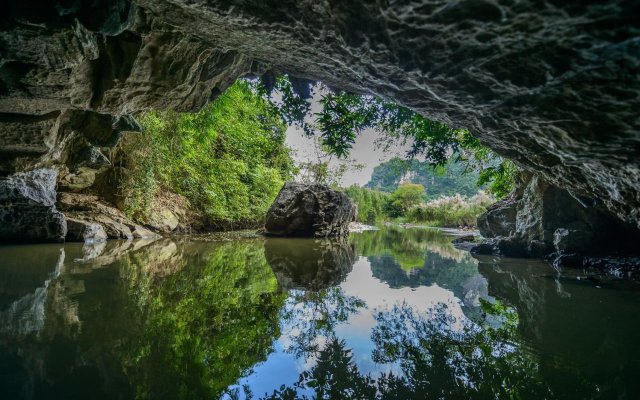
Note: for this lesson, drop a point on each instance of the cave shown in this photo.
(552, 85)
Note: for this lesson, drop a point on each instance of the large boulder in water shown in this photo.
(310, 211)
(27, 208)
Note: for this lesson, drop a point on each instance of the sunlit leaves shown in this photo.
(228, 159)
(343, 116)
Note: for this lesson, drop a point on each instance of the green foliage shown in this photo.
(447, 180)
(371, 204)
(500, 178)
(229, 159)
(343, 116)
(407, 196)
(406, 205)
(451, 211)
(493, 170)
(209, 314)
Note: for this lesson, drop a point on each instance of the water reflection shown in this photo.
(584, 327)
(422, 257)
(310, 264)
(440, 356)
(396, 313)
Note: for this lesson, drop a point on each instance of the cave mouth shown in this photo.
(551, 87)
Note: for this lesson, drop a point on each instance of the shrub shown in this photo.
(371, 204)
(229, 159)
(451, 211)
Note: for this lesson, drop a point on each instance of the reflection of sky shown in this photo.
(282, 367)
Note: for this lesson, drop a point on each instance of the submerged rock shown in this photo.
(310, 211)
(27, 208)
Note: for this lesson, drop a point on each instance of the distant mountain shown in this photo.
(443, 181)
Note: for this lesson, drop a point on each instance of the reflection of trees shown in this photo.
(313, 316)
(335, 376)
(206, 325)
(311, 264)
(439, 358)
(409, 246)
(447, 267)
(163, 321)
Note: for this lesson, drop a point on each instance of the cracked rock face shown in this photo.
(541, 220)
(553, 85)
(310, 211)
(27, 208)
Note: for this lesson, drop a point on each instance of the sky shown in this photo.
(363, 152)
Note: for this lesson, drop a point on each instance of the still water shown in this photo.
(389, 314)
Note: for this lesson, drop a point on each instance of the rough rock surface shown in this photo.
(309, 264)
(90, 209)
(539, 219)
(552, 85)
(82, 231)
(499, 219)
(27, 208)
(310, 211)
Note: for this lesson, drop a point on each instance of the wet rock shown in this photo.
(310, 211)
(486, 247)
(617, 266)
(549, 220)
(82, 231)
(310, 264)
(27, 208)
(499, 219)
(464, 239)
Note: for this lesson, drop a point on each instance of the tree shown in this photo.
(447, 180)
(407, 196)
(343, 116)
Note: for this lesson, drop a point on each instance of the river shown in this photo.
(397, 313)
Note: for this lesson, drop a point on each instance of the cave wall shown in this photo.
(553, 85)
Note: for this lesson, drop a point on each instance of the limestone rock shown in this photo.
(82, 231)
(91, 209)
(164, 220)
(499, 219)
(310, 211)
(27, 208)
(552, 85)
(549, 220)
(138, 232)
